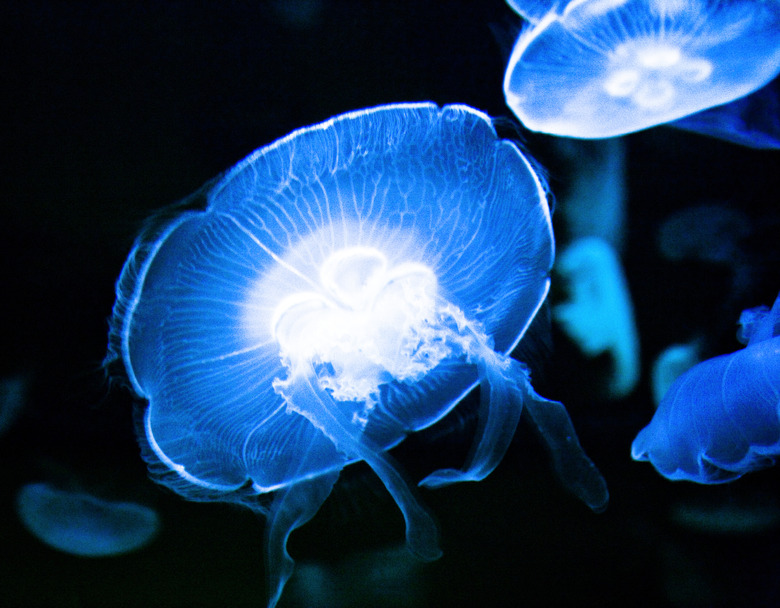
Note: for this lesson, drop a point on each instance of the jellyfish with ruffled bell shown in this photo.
(335, 291)
(602, 68)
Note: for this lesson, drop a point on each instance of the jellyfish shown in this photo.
(721, 418)
(335, 291)
(599, 315)
(670, 364)
(13, 396)
(83, 524)
(592, 202)
(714, 233)
(752, 121)
(603, 68)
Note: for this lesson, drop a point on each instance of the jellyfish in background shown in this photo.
(752, 121)
(592, 199)
(713, 233)
(602, 68)
(82, 524)
(337, 290)
(599, 315)
(721, 418)
(670, 364)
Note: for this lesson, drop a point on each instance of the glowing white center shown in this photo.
(651, 74)
(371, 324)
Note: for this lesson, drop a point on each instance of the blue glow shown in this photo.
(599, 315)
(669, 365)
(752, 121)
(721, 419)
(344, 286)
(602, 68)
(593, 199)
(82, 524)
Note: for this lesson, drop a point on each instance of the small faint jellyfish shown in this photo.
(602, 68)
(335, 291)
(721, 418)
(82, 524)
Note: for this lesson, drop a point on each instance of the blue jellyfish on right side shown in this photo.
(721, 418)
(602, 68)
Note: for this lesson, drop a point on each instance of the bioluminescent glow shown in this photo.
(341, 288)
(602, 68)
(721, 418)
(752, 121)
(82, 524)
(599, 315)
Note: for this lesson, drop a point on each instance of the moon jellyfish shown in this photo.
(335, 291)
(602, 68)
(752, 121)
(83, 524)
(599, 315)
(721, 418)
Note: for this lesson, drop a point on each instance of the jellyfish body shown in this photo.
(721, 418)
(82, 524)
(602, 68)
(342, 287)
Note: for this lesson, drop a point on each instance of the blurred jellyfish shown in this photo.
(13, 395)
(714, 233)
(82, 524)
(602, 68)
(752, 121)
(671, 363)
(335, 291)
(389, 578)
(721, 418)
(300, 14)
(752, 516)
(599, 315)
(592, 201)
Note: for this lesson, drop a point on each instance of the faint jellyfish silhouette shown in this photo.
(670, 364)
(602, 68)
(383, 578)
(592, 197)
(755, 513)
(13, 397)
(752, 121)
(82, 524)
(714, 233)
(721, 418)
(598, 314)
(335, 291)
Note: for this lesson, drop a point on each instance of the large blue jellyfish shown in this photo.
(721, 418)
(82, 524)
(339, 289)
(601, 68)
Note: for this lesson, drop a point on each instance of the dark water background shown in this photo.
(113, 109)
